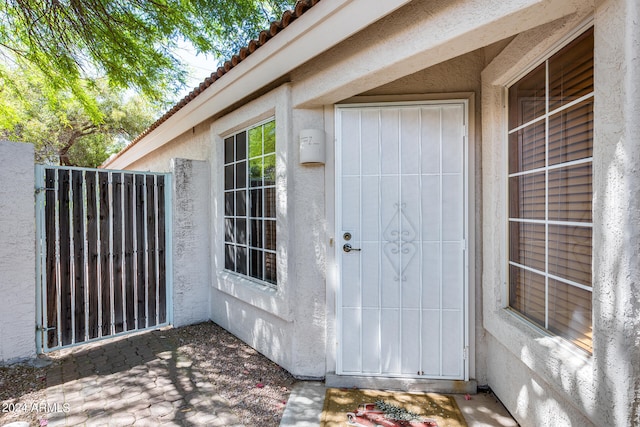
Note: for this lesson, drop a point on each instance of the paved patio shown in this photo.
(199, 375)
(140, 381)
(180, 377)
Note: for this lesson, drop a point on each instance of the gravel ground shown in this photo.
(259, 388)
(256, 388)
(21, 386)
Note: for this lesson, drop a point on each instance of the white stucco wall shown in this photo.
(286, 323)
(17, 252)
(433, 47)
(190, 234)
(616, 237)
(525, 385)
(194, 144)
(310, 247)
(541, 379)
(422, 34)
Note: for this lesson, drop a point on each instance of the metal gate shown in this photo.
(102, 239)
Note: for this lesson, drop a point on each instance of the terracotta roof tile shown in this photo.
(287, 18)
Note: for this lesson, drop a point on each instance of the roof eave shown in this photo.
(322, 27)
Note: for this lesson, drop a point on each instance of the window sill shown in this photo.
(260, 295)
(561, 364)
(548, 338)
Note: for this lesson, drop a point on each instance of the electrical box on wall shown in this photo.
(312, 146)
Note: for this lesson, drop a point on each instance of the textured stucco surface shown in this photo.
(542, 380)
(616, 240)
(285, 323)
(269, 334)
(191, 254)
(421, 34)
(17, 252)
(194, 145)
(311, 245)
(526, 392)
(432, 47)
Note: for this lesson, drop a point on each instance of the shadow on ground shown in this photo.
(192, 376)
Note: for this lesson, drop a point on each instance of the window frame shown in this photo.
(546, 169)
(263, 218)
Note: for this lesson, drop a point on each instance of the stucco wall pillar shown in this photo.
(309, 254)
(616, 238)
(191, 251)
(17, 252)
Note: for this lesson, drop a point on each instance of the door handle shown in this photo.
(348, 248)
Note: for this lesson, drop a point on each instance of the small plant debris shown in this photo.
(394, 412)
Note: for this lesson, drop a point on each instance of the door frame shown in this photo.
(333, 194)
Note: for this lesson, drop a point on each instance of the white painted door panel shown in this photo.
(401, 195)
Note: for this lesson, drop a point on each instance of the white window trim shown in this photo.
(274, 105)
(561, 364)
(544, 117)
(247, 216)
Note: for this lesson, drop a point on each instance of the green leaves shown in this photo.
(127, 42)
(65, 65)
(58, 123)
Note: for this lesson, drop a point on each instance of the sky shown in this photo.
(200, 67)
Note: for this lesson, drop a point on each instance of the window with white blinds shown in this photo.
(550, 193)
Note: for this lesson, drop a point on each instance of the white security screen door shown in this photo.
(400, 244)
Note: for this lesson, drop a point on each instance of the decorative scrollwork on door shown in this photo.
(399, 242)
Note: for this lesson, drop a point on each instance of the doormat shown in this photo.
(359, 407)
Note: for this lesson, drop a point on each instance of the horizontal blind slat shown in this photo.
(559, 193)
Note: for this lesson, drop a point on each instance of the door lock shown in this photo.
(346, 236)
(348, 248)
